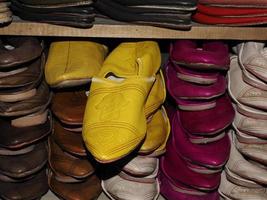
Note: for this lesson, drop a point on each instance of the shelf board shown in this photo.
(136, 31)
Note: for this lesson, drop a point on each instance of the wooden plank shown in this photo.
(136, 31)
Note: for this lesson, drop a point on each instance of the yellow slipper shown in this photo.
(130, 59)
(156, 96)
(73, 63)
(158, 131)
(114, 122)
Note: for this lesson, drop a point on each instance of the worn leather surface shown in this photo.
(30, 189)
(172, 192)
(14, 138)
(124, 13)
(68, 19)
(69, 107)
(56, 2)
(208, 55)
(172, 161)
(25, 50)
(89, 189)
(209, 122)
(231, 11)
(213, 155)
(236, 3)
(66, 164)
(229, 21)
(28, 106)
(71, 142)
(86, 9)
(180, 89)
(158, 2)
(31, 74)
(24, 165)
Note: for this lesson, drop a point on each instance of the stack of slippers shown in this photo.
(125, 125)
(25, 120)
(231, 13)
(75, 13)
(199, 146)
(69, 69)
(5, 13)
(167, 14)
(246, 169)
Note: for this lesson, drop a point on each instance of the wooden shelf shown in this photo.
(136, 31)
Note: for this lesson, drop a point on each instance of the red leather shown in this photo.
(230, 11)
(231, 21)
(239, 3)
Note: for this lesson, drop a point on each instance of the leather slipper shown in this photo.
(16, 140)
(36, 187)
(20, 50)
(23, 165)
(210, 55)
(67, 164)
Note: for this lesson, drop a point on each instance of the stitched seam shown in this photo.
(104, 90)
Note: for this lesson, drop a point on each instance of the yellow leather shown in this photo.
(128, 59)
(158, 131)
(73, 60)
(156, 96)
(114, 122)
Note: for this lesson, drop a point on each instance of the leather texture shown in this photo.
(27, 75)
(75, 101)
(52, 3)
(112, 125)
(238, 180)
(24, 165)
(141, 166)
(15, 138)
(158, 2)
(128, 14)
(251, 56)
(199, 122)
(180, 89)
(255, 152)
(242, 92)
(10, 152)
(119, 188)
(213, 155)
(36, 103)
(66, 164)
(231, 11)
(158, 131)
(239, 165)
(157, 95)
(229, 190)
(71, 142)
(251, 112)
(132, 58)
(172, 192)
(172, 161)
(76, 62)
(89, 189)
(238, 3)
(83, 9)
(246, 138)
(196, 76)
(36, 187)
(24, 49)
(252, 126)
(208, 55)
(229, 21)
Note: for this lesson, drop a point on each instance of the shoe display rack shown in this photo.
(102, 30)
